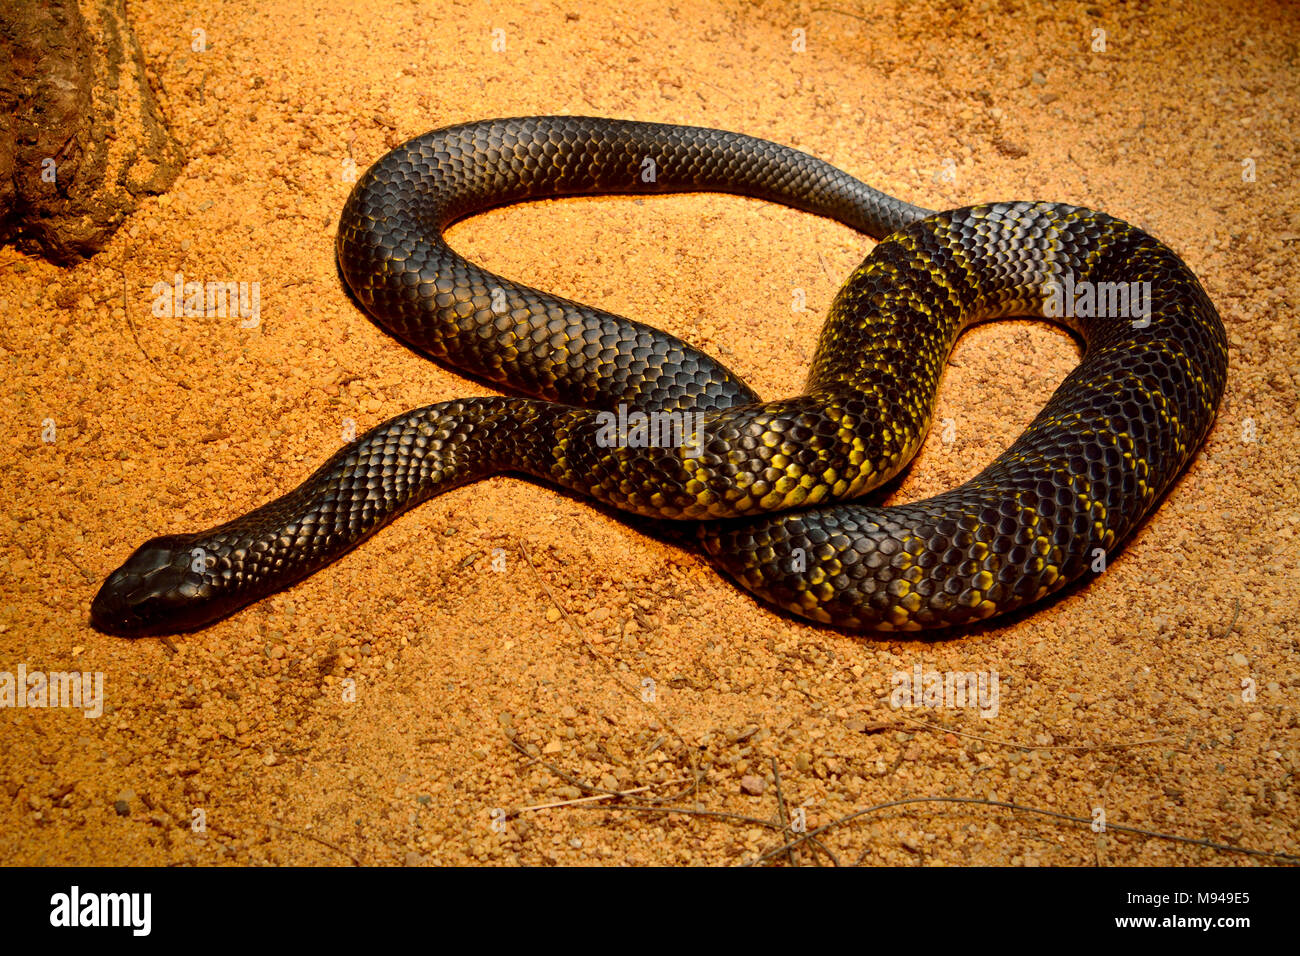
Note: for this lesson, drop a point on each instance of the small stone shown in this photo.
(552, 614)
(1239, 659)
(753, 785)
(123, 808)
(413, 858)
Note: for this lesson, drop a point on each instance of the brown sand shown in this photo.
(1125, 695)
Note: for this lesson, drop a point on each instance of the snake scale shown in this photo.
(769, 483)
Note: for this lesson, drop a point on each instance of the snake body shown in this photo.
(770, 483)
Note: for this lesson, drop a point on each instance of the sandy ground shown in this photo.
(402, 705)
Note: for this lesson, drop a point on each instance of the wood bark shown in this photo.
(82, 140)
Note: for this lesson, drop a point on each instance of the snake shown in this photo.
(769, 485)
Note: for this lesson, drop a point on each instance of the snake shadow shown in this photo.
(681, 534)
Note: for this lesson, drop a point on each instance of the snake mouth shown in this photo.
(111, 611)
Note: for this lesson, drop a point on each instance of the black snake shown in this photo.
(770, 483)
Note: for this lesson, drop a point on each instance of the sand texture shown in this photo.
(507, 647)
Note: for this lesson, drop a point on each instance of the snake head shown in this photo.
(156, 591)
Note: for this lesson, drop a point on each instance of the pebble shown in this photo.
(1239, 659)
(753, 785)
